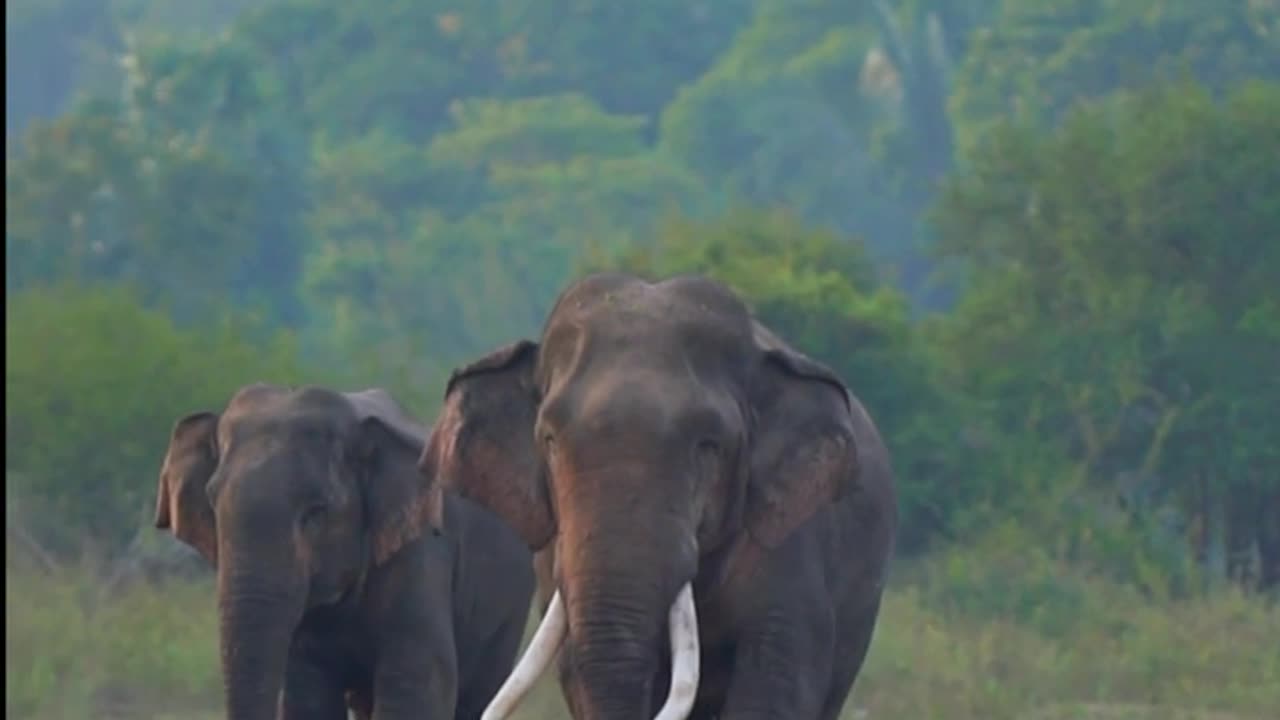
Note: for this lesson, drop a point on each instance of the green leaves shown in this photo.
(93, 384)
(1041, 57)
(1118, 269)
(93, 198)
(467, 241)
(405, 184)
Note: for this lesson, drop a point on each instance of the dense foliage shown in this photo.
(1040, 239)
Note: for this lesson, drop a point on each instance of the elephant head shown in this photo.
(652, 426)
(292, 494)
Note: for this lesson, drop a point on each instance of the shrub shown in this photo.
(94, 382)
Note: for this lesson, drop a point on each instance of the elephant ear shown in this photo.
(396, 503)
(182, 502)
(803, 454)
(483, 446)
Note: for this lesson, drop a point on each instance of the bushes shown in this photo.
(94, 382)
(1118, 313)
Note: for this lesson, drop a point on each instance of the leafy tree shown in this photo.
(211, 94)
(835, 111)
(92, 197)
(1122, 304)
(51, 47)
(779, 119)
(199, 19)
(1039, 57)
(630, 56)
(405, 184)
(93, 384)
(467, 242)
(62, 51)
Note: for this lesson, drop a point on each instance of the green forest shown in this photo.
(1039, 239)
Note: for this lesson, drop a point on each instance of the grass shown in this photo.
(963, 636)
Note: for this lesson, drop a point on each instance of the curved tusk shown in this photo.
(537, 657)
(684, 658)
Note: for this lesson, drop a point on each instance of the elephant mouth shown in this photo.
(326, 595)
(339, 591)
(550, 636)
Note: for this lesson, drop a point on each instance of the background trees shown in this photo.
(1040, 239)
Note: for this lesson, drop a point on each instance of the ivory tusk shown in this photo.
(537, 657)
(684, 657)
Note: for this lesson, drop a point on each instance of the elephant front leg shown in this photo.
(416, 677)
(312, 691)
(782, 666)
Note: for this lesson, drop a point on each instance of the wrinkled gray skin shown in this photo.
(336, 584)
(658, 434)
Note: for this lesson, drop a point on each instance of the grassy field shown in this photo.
(960, 638)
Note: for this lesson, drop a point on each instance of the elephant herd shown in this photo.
(704, 514)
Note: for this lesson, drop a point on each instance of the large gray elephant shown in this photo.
(342, 580)
(714, 511)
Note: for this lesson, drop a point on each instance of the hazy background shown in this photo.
(1039, 238)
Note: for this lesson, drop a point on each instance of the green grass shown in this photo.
(963, 636)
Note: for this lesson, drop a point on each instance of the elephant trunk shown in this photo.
(620, 581)
(623, 576)
(257, 620)
(612, 644)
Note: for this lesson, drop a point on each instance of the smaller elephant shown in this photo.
(342, 581)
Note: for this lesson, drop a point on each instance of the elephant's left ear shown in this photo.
(803, 452)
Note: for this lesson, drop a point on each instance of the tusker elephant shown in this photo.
(713, 512)
(342, 580)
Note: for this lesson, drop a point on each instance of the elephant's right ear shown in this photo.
(182, 504)
(482, 443)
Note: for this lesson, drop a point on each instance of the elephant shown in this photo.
(342, 580)
(713, 512)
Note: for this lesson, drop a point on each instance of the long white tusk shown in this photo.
(537, 657)
(684, 658)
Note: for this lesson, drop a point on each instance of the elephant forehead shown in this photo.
(267, 471)
(635, 403)
(253, 396)
(275, 429)
(674, 346)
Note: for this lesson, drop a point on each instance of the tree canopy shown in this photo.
(1040, 240)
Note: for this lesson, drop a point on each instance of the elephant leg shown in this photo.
(313, 690)
(361, 705)
(417, 674)
(851, 651)
(782, 664)
(496, 659)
